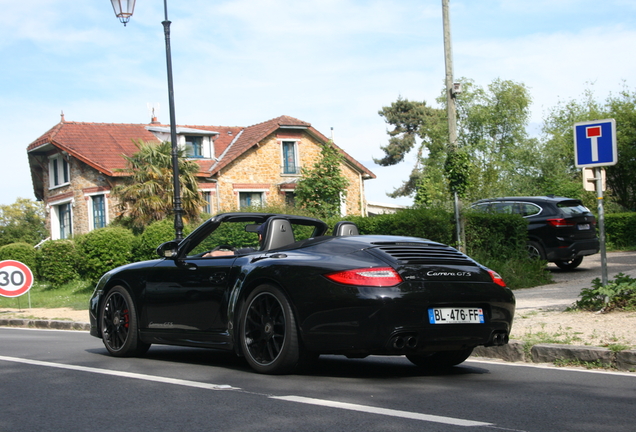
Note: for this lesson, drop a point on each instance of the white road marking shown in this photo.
(382, 411)
(299, 399)
(145, 377)
(553, 367)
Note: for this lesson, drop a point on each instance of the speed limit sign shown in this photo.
(15, 278)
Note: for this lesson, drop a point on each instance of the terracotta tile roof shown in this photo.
(252, 135)
(101, 145)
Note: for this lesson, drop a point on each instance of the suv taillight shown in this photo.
(561, 223)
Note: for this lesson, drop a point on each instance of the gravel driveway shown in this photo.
(568, 284)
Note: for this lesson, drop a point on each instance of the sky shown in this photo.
(332, 63)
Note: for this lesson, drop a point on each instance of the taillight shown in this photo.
(496, 278)
(376, 277)
(561, 223)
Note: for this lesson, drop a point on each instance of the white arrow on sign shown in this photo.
(593, 133)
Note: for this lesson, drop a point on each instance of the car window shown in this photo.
(227, 234)
(504, 207)
(572, 208)
(528, 209)
(484, 207)
(509, 207)
(235, 235)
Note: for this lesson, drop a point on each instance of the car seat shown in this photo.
(278, 233)
(345, 228)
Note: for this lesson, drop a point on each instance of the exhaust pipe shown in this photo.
(401, 342)
(499, 339)
(411, 342)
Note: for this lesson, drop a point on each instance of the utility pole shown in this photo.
(450, 108)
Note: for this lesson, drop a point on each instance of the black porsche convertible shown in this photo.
(293, 292)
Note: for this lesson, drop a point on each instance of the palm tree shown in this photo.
(147, 195)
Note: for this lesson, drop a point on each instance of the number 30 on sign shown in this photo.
(15, 278)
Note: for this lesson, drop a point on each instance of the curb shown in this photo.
(45, 324)
(515, 351)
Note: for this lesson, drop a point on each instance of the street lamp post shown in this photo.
(124, 10)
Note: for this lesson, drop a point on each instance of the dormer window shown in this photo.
(59, 173)
(194, 148)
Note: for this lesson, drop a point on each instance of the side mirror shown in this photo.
(168, 249)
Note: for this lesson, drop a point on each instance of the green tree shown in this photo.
(620, 177)
(22, 222)
(493, 155)
(323, 187)
(416, 126)
(559, 174)
(147, 195)
(492, 125)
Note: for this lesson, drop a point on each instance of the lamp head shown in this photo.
(123, 9)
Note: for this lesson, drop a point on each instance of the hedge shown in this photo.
(104, 249)
(620, 229)
(145, 245)
(500, 236)
(57, 261)
(431, 224)
(23, 252)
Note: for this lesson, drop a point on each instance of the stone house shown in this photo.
(74, 166)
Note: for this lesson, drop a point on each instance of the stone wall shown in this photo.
(85, 182)
(260, 170)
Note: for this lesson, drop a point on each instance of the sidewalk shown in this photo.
(557, 297)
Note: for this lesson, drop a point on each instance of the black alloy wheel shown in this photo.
(119, 324)
(268, 336)
(440, 359)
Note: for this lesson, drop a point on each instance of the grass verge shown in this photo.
(74, 295)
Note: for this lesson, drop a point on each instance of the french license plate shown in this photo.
(583, 227)
(456, 316)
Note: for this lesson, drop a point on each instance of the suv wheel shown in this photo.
(535, 251)
(569, 265)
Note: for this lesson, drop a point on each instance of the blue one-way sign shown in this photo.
(595, 143)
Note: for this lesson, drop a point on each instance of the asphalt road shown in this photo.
(65, 381)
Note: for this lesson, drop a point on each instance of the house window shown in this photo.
(250, 199)
(207, 197)
(58, 171)
(99, 211)
(194, 146)
(65, 220)
(290, 199)
(289, 157)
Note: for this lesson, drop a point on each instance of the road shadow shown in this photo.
(332, 366)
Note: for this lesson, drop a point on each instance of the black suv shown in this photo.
(560, 230)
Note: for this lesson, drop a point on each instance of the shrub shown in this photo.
(23, 252)
(432, 224)
(619, 229)
(619, 293)
(158, 232)
(498, 236)
(104, 249)
(57, 261)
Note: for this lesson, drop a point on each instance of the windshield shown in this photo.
(572, 208)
